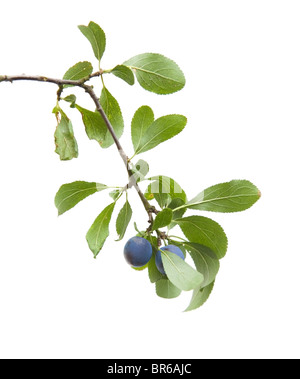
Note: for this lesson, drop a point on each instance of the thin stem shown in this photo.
(182, 239)
(102, 80)
(130, 159)
(89, 89)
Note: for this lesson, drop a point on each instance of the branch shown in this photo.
(36, 78)
(89, 89)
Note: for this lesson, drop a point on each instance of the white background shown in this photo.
(241, 60)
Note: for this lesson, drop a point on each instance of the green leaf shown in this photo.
(163, 218)
(140, 170)
(71, 194)
(161, 130)
(114, 114)
(206, 232)
(200, 295)
(123, 220)
(101, 187)
(154, 274)
(205, 261)
(168, 185)
(79, 71)
(162, 199)
(96, 36)
(71, 99)
(95, 128)
(124, 73)
(141, 121)
(178, 213)
(65, 142)
(115, 194)
(98, 232)
(157, 73)
(149, 195)
(166, 289)
(164, 190)
(233, 196)
(179, 272)
(140, 268)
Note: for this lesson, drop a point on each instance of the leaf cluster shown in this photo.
(205, 240)
(202, 238)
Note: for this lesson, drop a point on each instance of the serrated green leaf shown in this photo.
(206, 232)
(65, 142)
(161, 198)
(163, 218)
(114, 114)
(79, 71)
(99, 231)
(94, 125)
(205, 261)
(124, 73)
(165, 289)
(161, 130)
(167, 185)
(157, 73)
(71, 194)
(141, 121)
(96, 36)
(123, 220)
(164, 190)
(233, 196)
(200, 295)
(182, 275)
